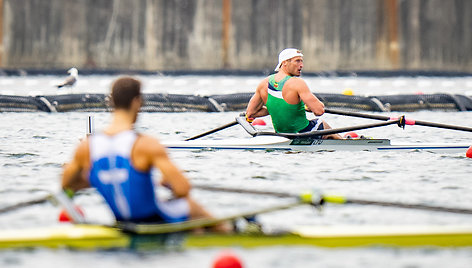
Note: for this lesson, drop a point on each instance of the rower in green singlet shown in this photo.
(286, 117)
(286, 97)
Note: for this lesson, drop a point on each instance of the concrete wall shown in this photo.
(236, 34)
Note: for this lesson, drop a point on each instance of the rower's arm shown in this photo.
(311, 101)
(171, 175)
(255, 107)
(74, 176)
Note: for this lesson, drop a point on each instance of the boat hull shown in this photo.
(269, 143)
(91, 237)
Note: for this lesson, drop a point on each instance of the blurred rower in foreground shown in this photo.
(118, 163)
(285, 97)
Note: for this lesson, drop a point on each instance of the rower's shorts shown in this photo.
(174, 210)
(315, 124)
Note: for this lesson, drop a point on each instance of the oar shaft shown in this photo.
(330, 131)
(212, 131)
(244, 191)
(343, 200)
(68, 206)
(198, 223)
(346, 129)
(439, 125)
(410, 206)
(336, 199)
(408, 121)
(355, 114)
(25, 204)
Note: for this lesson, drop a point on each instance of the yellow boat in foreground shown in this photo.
(128, 235)
(91, 237)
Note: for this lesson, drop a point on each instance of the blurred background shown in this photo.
(235, 36)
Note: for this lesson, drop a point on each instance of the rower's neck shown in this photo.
(280, 75)
(122, 121)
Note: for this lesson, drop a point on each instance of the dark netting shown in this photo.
(18, 104)
(464, 103)
(233, 102)
(76, 102)
(176, 103)
(444, 102)
(349, 102)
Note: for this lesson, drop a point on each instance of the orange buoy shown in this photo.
(64, 217)
(469, 152)
(351, 135)
(227, 260)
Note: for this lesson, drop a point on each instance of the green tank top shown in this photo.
(286, 117)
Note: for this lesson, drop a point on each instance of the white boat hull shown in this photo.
(310, 145)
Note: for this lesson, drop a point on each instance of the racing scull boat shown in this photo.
(270, 141)
(126, 235)
(92, 237)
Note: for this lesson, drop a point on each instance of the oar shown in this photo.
(407, 121)
(212, 131)
(200, 223)
(27, 203)
(400, 122)
(337, 199)
(59, 198)
(64, 200)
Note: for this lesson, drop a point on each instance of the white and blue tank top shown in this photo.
(129, 192)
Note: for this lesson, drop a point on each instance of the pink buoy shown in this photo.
(351, 135)
(258, 122)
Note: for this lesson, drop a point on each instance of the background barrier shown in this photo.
(169, 35)
(232, 102)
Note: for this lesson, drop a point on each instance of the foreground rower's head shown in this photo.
(126, 94)
(290, 61)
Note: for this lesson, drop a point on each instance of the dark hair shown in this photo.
(123, 91)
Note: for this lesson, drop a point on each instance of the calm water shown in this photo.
(33, 147)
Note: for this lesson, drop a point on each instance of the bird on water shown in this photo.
(71, 79)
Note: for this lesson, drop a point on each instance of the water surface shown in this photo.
(34, 146)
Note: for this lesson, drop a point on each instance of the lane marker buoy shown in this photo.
(64, 216)
(348, 92)
(258, 122)
(469, 152)
(227, 259)
(351, 135)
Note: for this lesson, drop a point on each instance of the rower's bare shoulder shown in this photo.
(149, 143)
(297, 84)
(263, 83)
(83, 150)
(296, 81)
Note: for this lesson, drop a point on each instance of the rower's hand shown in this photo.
(69, 192)
(249, 119)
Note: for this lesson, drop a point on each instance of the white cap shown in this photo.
(287, 54)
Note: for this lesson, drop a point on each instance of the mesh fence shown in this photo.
(231, 102)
